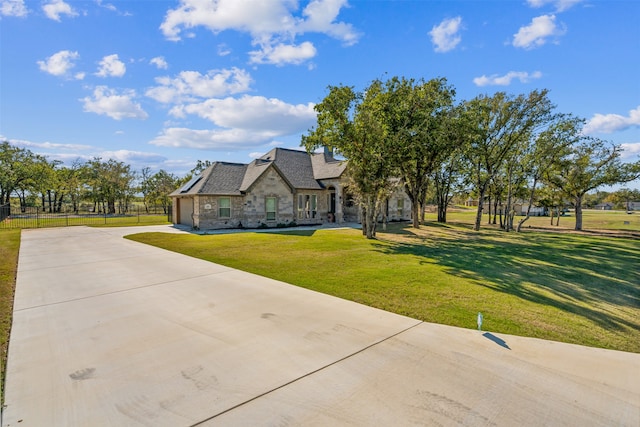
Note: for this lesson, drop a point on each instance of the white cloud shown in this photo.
(46, 145)
(496, 80)
(60, 63)
(272, 24)
(537, 32)
(13, 8)
(111, 66)
(445, 36)
(609, 123)
(111, 7)
(254, 113)
(107, 6)
(630, 151)
(223, 49)
(246, 122)
(108, 102)
(159, 62)
(191, 85)
(320, 18)
(210, 139)
(134, 157)
(56, 8)
(283, 54)
(560, 5)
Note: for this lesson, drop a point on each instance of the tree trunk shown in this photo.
(442, 209)
(579, 213)
(476, 226)
(528, 213)
(415, 213)
(370, 219)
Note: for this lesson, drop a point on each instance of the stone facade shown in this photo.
(284, 188)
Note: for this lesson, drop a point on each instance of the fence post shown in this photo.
(37, 218)
(66, 216)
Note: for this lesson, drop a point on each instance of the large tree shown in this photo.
(590, 164)
(418, 116)
(15, 169)
(500, 123)
(111, 182)
(548, 149)
(352, 124)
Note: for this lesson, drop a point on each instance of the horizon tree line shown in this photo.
(499, 148)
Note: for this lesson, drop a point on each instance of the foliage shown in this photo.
(351, 123)
(497, 126)
(155, 188)
(419, 116)
(109, 185)
(588, 165)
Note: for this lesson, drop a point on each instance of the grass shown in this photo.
(574, 288)
(9, 246)
(591, 220)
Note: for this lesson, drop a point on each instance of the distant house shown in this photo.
(634, 206)
(604, 206)
(283, 187)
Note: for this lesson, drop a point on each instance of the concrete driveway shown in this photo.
(109, 332)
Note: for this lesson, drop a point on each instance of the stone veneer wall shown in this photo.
(270, 184)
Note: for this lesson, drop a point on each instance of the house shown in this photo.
(283, 187)
(604, 206)
(633, 206)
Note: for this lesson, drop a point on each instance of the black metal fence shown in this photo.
(37, 217)
(5, 211)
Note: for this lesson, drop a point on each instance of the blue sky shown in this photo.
(165, 83)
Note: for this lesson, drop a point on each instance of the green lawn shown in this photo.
(9, 245)
(574, 288)
(591, 220)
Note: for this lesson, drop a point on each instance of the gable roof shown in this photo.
(219, 178)
(301, 171)
(325, 166)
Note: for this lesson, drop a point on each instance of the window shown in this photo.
(224, 207)
(400, 207)
(307, 206)
(270, 207)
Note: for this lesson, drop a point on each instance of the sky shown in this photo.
(164, 83)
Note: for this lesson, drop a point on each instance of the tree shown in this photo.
(500, 123)
(550, 146)
(448, 177)
(111, 182)
(624, 197)
(590, 164)
(353, 125)
(15, 170)
(418, 115)
(162, 184)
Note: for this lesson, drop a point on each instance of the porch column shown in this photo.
(339, 214)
